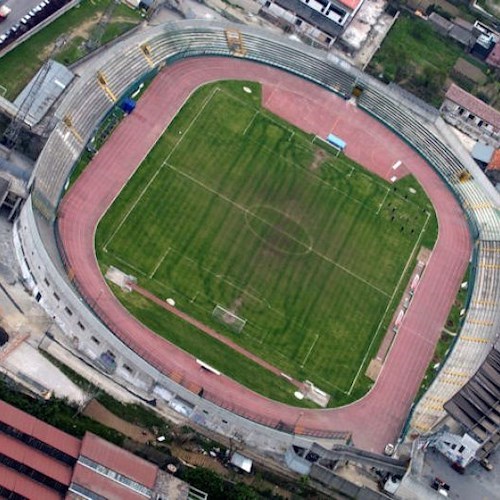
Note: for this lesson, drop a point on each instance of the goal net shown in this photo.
(228, 318)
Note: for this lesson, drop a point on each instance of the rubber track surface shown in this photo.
(377, 418)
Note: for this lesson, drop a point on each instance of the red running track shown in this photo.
(375, 419)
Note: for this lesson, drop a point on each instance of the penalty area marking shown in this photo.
(310, 350)
(160, 168)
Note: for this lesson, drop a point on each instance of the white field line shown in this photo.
(383, 201)
(309, 351)
(390, 301)
(142, 193)
(128, 264)
(250, 122)
(159, 263)
(300, 243)
(220, 277)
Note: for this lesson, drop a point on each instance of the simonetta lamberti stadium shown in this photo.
(269, 243)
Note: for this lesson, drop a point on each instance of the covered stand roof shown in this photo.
(477, 405)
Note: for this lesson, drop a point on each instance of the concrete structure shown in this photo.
(53, 285)
(475, 408)
(13, 187)
(38, 461)
(320, 21)
(471, 115)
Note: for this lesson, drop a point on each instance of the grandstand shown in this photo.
(93, 96)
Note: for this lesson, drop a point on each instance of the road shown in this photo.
(19, 9)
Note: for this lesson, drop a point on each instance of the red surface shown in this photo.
(104, 486)
(210, 331)
(23, 485)
(377, 418)
(35, 459)
(42, 431)
(119, 460)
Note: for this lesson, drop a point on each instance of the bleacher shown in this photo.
(91, 97)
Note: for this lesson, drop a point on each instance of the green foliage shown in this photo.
(60, 414)
(134, 413)
(216, 488)
(417, 57)
(245, 211)
(20, 65)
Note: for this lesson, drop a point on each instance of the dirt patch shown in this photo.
(233, 309)
(81, 31)
(98, 412)
(319, 157)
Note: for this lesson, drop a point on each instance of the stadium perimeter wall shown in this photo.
(86, 104)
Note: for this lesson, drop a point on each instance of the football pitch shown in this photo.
(305, 251)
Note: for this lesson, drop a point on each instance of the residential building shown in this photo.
(471, 115)
(318, 21)
(38, 461)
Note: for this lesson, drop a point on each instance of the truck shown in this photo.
(4, 12)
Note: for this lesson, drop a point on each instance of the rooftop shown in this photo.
(38, 429)
(118, 460)
(474, 105)
(494, 58)
(494, 163)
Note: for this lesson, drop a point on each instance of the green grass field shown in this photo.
(235, 207)
(19, 66)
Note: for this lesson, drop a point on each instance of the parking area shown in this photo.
(475, 483)
(24, 15)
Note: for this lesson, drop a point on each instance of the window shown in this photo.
(95, 340)
(68, 311)
(56, 296)
(81, 325)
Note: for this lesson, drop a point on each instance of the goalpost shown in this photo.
(228, 318)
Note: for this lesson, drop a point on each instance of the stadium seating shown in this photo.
(87, 104)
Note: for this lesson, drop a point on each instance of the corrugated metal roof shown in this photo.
(23, 485)
(102, 485)
(474, 105)
(119, 460)
(42, 431)
(475, 406)
(55, 81)
(35, 459)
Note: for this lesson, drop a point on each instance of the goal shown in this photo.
(228, 318)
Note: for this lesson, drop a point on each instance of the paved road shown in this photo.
(19, 9)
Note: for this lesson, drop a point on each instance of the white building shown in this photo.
(320, 21)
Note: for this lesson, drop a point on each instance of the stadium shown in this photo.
(55, 241)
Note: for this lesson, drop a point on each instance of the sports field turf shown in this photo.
(235, 207)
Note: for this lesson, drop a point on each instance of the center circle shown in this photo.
(278, 230)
